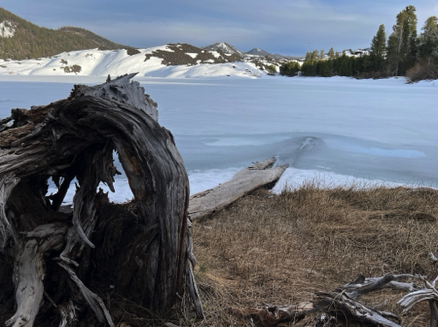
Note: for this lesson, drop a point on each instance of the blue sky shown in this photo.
(289, 27)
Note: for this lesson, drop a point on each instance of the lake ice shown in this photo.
(337, 130)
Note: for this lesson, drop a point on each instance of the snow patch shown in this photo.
(215, 54)
(293, 179)
(193, 55)
(7, 29)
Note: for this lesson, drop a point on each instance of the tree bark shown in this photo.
(72, 139)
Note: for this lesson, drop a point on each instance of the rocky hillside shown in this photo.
(20, 39)
(186, 54)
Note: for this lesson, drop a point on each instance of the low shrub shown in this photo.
(425, 69)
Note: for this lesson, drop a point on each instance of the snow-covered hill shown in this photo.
(147, 62)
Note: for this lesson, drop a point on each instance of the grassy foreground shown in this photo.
(281, 249)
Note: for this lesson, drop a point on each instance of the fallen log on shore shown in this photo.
(258, 175)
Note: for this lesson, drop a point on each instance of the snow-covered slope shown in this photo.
(118, 62)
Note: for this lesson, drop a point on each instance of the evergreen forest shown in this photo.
(403, 53)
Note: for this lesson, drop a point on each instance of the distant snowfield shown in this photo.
(118, 62)
(330, 131)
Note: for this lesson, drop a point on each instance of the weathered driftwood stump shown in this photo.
(141, 250)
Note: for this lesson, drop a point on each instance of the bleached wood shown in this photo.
(28, 280)
(190, 263)
(29, 270)
(361, 285)
(258, 175)
(342, 305)
(68, 314)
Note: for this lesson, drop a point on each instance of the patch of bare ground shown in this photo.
(281, 249)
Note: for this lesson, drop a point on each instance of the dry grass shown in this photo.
(282, 249)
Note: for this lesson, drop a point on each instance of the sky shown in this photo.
(287, 27)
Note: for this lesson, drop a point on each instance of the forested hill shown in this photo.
(20, 39)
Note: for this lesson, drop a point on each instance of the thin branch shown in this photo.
(93, 300)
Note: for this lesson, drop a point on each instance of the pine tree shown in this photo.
(426, 66)
(402, 50)
(378, 50)
(331, 53)
(321, 55)
(308, 57)
(290, 68)
(428, 40)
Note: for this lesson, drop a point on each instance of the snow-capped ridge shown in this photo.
(225, 48)
(258, 52)
(159, 61)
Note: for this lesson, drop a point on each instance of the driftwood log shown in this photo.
(53, 258)
(342, 306)
(260, 174)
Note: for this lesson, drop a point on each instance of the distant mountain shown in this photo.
(258, 52)
(225, 48)
(20, 39)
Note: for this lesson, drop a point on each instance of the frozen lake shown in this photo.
(332, 129)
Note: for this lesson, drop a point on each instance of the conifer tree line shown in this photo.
(403, 53)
